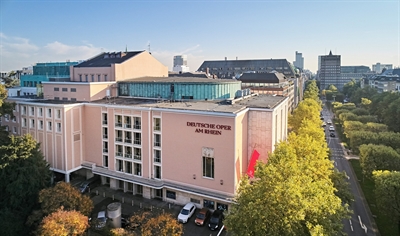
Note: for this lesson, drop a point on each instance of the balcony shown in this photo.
(128, 155)
(157, 128)
(137, 142)
(105, 122)
(128, 126)
(137, 126)
(118, 124)
(128, 140)
(105, 136)
(105, 150)
(137, 157)
(157, 144)
(118, 139)
(118, 154)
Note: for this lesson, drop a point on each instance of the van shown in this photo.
(89, 183)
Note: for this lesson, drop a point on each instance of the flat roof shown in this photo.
(261, 101)
(178, 80)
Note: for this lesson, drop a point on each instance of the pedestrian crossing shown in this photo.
(337, 153)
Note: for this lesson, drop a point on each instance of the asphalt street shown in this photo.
(360, 223)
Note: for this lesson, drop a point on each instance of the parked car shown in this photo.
(216, 219)
(202, 216)
(186, 212)
(101, 220)
(89, 183)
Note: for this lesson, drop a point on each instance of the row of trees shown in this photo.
(371, 129)
(297, 192)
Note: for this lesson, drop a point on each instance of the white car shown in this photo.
(331, 128)
(186, 212)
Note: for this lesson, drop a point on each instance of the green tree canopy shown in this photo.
(308, 109)
(378, 157)
(387, 193)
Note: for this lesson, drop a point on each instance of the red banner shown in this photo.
(253, 161)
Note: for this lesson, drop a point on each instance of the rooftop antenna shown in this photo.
(149, 47)
(126, 48)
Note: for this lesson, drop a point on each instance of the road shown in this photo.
(360, 222)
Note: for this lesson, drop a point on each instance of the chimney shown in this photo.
(207, 71)
(236, 58)
(225, 58)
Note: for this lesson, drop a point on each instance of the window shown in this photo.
(14, 129)
(157, 172)
(23, 110)
(14, 119)
(120, 166)
(208, 167)
(105, 160)
(137, 154)
(40, 124)
(209, 204)
(86, 78)
(92, 78)
(105, 77)
(128, 137)
(80, 78)
(157, 156)
(127, 122)
(104, 118)
(58, 127)
(137, 123)
(128, 167)
(197, 201)
(65, 99)
(73, 99)
(73, 89)
(138, 169)
(118, 135)
(6, 127)
(105, 133)
(58, 114)
(105, 147)
(49, 113)
(31, 111)
(56, 98)
(32, 123)
(118, 121)
(157, 124)
(65, 89)
(137, 138)
(49, 126)
(128, 152)
(157, 140)
(23, 122)
(6, 117)
(171, 194)
(118, 151)
(56, 89)
(98, 78)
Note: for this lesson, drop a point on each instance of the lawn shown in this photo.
(385, 225)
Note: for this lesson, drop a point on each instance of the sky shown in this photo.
(362, 32)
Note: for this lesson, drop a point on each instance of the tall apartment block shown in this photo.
(180, 64)
(378, 67)
(330, 70)
(299, 62)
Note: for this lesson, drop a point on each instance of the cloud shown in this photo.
(17, 52)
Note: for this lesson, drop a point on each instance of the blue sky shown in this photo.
(362, 32)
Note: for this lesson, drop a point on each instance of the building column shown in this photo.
(67, 178)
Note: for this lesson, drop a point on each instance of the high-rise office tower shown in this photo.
(299, 62)
(180, 64)
(330, 71)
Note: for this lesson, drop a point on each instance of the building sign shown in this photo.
(206, 128)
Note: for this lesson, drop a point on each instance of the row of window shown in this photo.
(206, 203)
(40, 124)
(129, 122)
(64, 89)
(39, 111)
(247, 68)
(64, 99)
(92, 78)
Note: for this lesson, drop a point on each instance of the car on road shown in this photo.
(202, 216)
(332, 134)
(216, 219)
(331, 128)
(323, 124)
(186, 212)
(329, 122)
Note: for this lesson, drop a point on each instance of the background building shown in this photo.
(330, 71)
(180, 64)
(353, 72)
(378, 67)
(299, 61)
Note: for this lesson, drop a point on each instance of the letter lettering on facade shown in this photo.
(199, 131)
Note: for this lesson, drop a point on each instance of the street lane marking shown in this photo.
(351, 225)
(362, 225)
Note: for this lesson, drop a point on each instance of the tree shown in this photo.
(378, 157)
(291, 194)
(64, 223)
(121, 232)
(311, 90)
(392, 116)
(350, 87)
(66, 196)
(366, 92)
(365, 103)
(360, 111)
(307, 109)
(10, 80)
(162, 225)
(332, 88)
(387, 193)
(23, 173)
(342, 186)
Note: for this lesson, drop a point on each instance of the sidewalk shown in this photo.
(130, 203)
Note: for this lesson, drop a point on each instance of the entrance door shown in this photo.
(158, 193)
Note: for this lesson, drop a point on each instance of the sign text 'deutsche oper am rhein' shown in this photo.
(207, 128)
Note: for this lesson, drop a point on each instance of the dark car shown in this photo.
(89, 184)
(202, 216)
(216, 219)
(332, 134)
